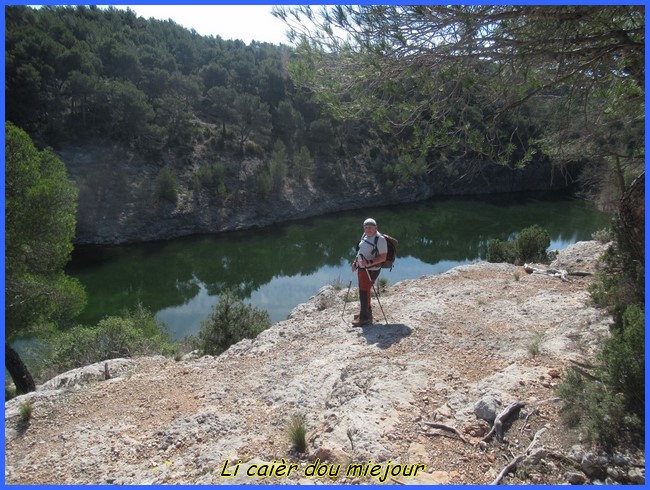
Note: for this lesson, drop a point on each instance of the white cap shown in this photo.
(370, 222)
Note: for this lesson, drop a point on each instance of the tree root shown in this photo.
(513, 464)
(453, 430)
(535, 410)
(501, 418)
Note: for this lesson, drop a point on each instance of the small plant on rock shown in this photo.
(26, 409)
(297, 432)
(536, 342)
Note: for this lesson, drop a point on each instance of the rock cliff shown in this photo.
(119, 200)
(470, 341)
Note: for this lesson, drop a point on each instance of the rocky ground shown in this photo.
(470, 341)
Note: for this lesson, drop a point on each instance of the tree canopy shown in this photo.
(391, 93)
(483, 79)
(40, 206)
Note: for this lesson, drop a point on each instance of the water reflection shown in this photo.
(277, 268)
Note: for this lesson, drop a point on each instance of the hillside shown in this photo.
(368, 393)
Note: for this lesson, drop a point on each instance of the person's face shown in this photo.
(369, 230)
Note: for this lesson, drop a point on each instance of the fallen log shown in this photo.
(560, 273)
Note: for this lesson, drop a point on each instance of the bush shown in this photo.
(590, 404)
(137, 332)
(500, 251)
(529, 245)
(611, 404)
(212, 176)
(168, 185)
(230, 321)
(621, 280)
(624, 358)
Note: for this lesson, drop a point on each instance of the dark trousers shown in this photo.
(366, 280)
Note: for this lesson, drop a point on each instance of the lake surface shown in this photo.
(277, 268)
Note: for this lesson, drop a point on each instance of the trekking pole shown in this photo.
(377, 296)
(345, 302)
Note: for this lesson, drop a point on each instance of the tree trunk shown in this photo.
(18, 371)
(632, 215)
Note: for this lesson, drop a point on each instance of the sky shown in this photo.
(245, 22)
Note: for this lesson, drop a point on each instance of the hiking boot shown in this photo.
(361, 321)
(356, 317)
(365, 316)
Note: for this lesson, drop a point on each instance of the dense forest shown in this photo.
(200, 109)
(85, 74)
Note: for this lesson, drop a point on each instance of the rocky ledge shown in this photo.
(407, 400)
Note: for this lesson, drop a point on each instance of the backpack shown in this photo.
(392, 251)
(392, 244)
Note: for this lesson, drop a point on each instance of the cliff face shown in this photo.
(119, 200)
(455, 350)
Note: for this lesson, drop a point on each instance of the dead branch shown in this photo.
(535, 409)
(513, 464)
(509, 467)
(584, 373)
(562, 274)
(435, 425)
(537, 435)
(438, 434)
(501, 418)
(582, 364)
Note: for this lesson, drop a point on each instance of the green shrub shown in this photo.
(168, 185)
(137, 332)
(297, 432)
(500, 251)
(611, 404)
(264, 184)
(531, 244)
(535, 346)
(10, 391)
(303, 164)
(603, 236)
(621, 279)
(600, 412)
(624, 358)
(229, 322)
(211, 177)
(26, 409)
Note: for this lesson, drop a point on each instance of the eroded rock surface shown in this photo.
(366, 393)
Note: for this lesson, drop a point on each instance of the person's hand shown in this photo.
(354, 266)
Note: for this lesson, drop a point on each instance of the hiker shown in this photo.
(372, 250)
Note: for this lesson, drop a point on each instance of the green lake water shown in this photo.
(279, 267)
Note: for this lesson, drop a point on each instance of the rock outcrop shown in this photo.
(120, 202)
(375, 395)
